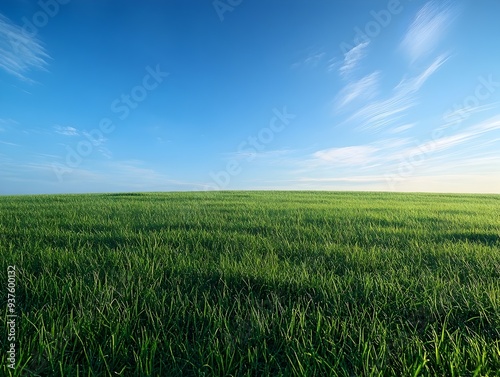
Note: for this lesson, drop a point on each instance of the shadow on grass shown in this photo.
(487, 239)
(284, 295)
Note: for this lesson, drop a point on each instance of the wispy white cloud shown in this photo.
(127, 173)
(105, 151)
(19, 52)
(406, 159)
(96, 141)
(6, 124)
(363, 89)
(427, 29)
(468, 158)
(434, 146)
(352, 59)
(312, 60)
(490, 124)
(8, 143)
(401, 149)
(382, 113)
(66, 130)
(354, 155)
(7, 121)
(365, 156)
(402, 128)
(333, 64)
(391, 143)
(447, 142)
(46, 156)
(421, 38)
(460, 114)
(413, 84)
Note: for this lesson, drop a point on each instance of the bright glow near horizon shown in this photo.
(188, 95)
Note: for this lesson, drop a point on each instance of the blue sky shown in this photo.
(108, 96)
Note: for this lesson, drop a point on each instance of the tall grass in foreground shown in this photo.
(254, 284)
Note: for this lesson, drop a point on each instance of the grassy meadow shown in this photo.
(253, 284)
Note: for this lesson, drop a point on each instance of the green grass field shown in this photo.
(253, 284)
